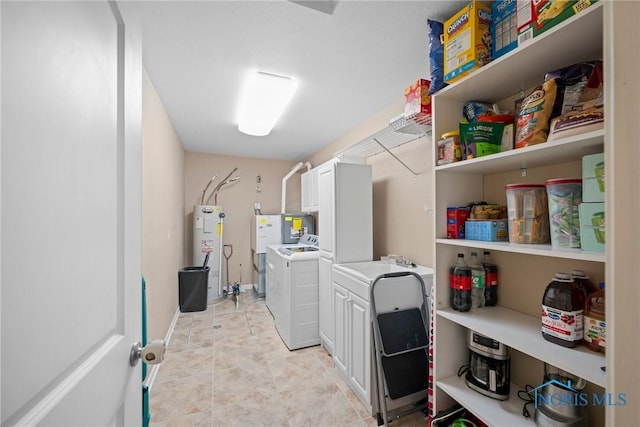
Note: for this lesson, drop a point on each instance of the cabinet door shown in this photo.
(359, 352)
(325, 303)
(326, 208)
(306, 191)
(340, 336)
(315, 193)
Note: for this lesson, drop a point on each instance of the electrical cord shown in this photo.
(525, 395)
(463, 370)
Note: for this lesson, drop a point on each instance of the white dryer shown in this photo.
(292, 291)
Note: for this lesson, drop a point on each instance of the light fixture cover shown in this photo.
(264, 99)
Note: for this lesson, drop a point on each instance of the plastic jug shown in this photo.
(562, 312)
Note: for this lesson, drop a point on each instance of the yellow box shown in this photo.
(467, 41)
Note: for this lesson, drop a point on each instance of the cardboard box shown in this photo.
(592, 227)
(456, 217)
(417, 100)
(504, 31)
(547, 14)
(593, 176)
(493, 230)
(467, 41)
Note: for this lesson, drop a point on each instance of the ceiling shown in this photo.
(349, 64)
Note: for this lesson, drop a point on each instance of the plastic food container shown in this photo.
(528, 213)
(565, 196)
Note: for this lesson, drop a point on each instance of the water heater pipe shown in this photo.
(295, 169)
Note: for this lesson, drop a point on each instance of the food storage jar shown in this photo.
(527, 213)
(565, 196)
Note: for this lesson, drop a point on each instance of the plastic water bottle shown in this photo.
(490, 281)
(477, 281)
(460, 285)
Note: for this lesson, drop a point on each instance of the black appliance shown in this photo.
(489, 366)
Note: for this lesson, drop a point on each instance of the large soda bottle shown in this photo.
(460, 286)
(490, 280)
(562, 311)
(477, 281)
(582, 282)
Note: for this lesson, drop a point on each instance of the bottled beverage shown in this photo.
(582, 281)
(460, 295)
(477, 281)
(490, 280)
(562, 312)
(594, 321)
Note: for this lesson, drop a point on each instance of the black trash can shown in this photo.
(192, 292)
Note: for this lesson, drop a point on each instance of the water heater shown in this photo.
(208, 223)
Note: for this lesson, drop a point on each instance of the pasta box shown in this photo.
(456, 217)
(593, 177)
(467, 41)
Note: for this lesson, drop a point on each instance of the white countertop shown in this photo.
(369, 270)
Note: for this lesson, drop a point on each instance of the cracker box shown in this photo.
(592, 227)
(456, 217)
(504, 31)
(593, 177)
(467, 41)
(547, 14)
(417, 100)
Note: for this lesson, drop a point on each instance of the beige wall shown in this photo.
(402, 202)
(162, 211)
(238, 200)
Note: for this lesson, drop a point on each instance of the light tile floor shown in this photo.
(229, 367)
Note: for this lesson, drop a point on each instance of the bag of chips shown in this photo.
(436, 56)
(532, 121)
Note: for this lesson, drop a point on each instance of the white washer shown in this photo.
(292, 291)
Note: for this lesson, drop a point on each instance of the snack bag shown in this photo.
(532, 121)
(436, 56)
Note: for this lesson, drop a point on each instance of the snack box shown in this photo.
(546, 14)
(593, 176)
(467, 41)
(493, 230)
(417, 100)
(592, 227)
(456, 217)
(504, 30)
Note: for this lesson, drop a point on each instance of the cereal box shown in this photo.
(547, 14)
(504, 31)
(417, 100)
(467, 41)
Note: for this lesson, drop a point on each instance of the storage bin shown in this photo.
(496, 230)
(592, 227)
(528, 213)
(565, 196)
(593, 176)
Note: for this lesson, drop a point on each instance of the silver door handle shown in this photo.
(151, 354)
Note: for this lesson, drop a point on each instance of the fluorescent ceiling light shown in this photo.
(264, 99)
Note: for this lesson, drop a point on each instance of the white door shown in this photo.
(71, 195)
(324, 302)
